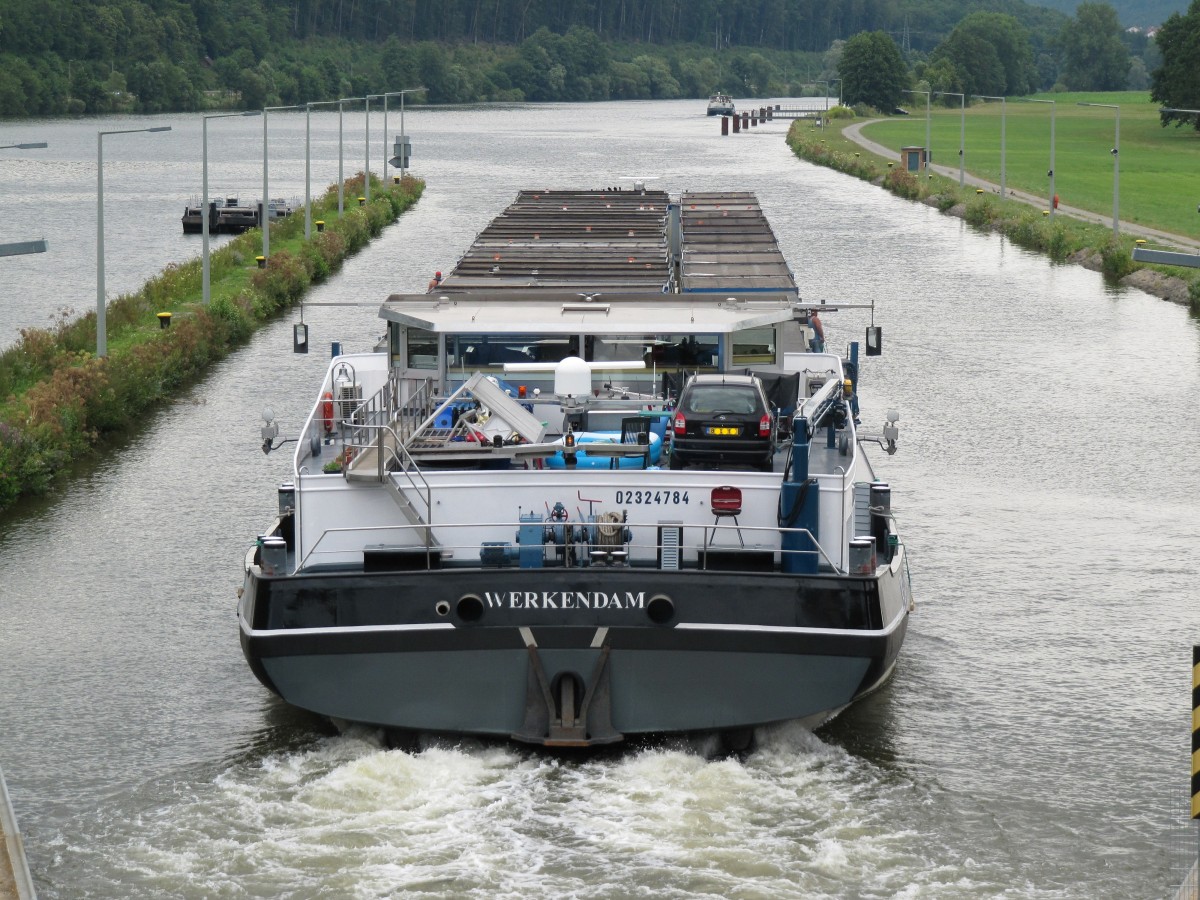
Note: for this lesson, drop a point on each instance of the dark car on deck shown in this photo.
(723, 420)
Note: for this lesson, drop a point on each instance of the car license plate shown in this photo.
(721, 429)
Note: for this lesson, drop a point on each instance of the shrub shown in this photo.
(1117, 262)
(945, 200)
(1058, 243)
(980, 211)
(903, 183)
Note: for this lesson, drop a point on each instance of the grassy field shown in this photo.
(1159, 167)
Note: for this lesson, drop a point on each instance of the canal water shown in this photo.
(1033, 743)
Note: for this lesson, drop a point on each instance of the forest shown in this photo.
(96, 56)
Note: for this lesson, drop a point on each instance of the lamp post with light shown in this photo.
(1050, 172)
(962, 135)
(23, 247)
(266, 210)
(101, 321)
(308, 160)
(1116, 155)
(204, 280)
(1002, 148)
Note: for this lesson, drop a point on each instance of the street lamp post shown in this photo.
(23, 247)
(928, 152)
(204, 290)
(266, 212)
(101, 322)
(1002, 148)
(1050, 172)
(962, 135)
(1116, 155)
(367, 167)
(308, 161)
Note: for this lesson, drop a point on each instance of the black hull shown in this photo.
(573, 657)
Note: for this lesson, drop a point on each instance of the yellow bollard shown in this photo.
(320, 223)
(262, 261)
(164, 320)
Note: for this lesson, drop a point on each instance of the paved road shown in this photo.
(854, 133)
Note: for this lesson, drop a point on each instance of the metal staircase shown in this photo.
(387, 436)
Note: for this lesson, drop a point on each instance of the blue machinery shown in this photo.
(596, 540)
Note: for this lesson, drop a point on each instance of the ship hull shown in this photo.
(736, 649)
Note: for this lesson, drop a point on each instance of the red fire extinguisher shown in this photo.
(327, 411)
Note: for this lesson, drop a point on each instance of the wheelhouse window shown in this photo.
(754, 346)
(489, 352)
(422, 349)
(657, 351)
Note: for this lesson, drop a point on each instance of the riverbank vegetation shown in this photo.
(60, 400)
(1060, 237)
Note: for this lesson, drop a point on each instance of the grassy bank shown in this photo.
(60, 400)
(1061, 237)
(1159, 178)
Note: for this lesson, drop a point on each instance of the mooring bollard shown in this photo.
(754, 118)
(262, 261)
(745, 120)
(395, 179)
(320, 223)
(164, 320)
(362, 201)
(737, 123)
(724, 124)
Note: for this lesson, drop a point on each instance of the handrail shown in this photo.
(714, 528)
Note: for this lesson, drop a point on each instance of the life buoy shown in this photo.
(327, 411)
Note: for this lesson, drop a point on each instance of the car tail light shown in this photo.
(680, 424)
(764, 426)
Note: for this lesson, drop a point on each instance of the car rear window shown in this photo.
(705, 399)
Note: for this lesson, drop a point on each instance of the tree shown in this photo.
(1176, 83)
(1009, 42)
(872, 71)
(975, 61)
(1094, 57)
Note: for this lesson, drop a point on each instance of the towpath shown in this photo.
(854, 133)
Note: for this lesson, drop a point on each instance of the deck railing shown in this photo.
(735, 539)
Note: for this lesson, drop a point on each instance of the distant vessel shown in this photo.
(226, 214)
(481, 535)
(278, 207)
(720, 105)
